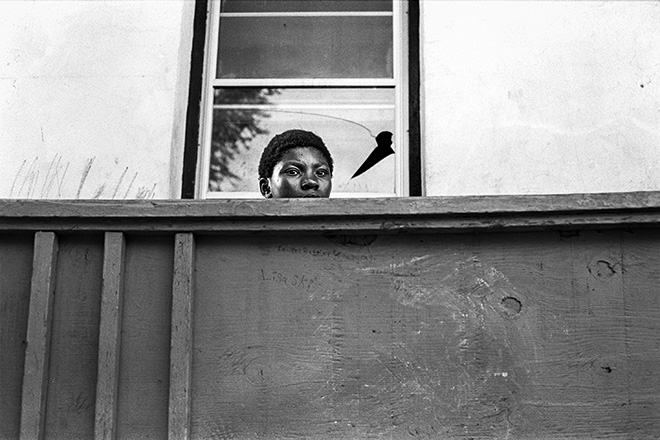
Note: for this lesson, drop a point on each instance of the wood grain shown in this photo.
(181, 337)
(512, 335)
(292, 208)
(358, 326)
(389, 215)
(37, 352)
(110, 336)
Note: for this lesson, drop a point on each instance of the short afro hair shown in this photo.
(285, 141)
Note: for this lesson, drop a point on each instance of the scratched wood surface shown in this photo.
(15, 272)
(511, 335)
(493, 333)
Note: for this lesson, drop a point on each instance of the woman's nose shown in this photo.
(310, 182)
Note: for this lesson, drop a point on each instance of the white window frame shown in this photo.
(399, 82)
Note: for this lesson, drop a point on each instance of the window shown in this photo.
(337, 68)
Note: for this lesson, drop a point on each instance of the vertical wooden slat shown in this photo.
(110, 336)
(181, 342)
(37, 352)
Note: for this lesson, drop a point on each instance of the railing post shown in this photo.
(37, 352)
(181, 337)
(112, 299)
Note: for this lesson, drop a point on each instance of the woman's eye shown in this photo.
(322, 173)
(291, 172)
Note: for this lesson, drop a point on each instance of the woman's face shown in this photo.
(302, 172)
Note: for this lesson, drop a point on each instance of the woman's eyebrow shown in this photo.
(301, 164)
(292, 162)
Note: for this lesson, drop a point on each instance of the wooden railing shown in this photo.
(483, 317)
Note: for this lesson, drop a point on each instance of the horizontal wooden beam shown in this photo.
(331, 207)
(388, 215)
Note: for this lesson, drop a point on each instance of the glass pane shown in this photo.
(305, 47)
(348, 121)
(305, 5)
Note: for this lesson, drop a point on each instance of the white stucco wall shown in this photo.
(93, 96)
(540, 96)
(517, 97)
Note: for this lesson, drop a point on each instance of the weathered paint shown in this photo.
(487, 333)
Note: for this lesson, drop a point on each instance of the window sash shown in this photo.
(399, 83)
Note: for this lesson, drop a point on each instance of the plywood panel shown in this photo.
(74, 344)
(518, 335)
(640, 272)
(579, 332)
(15, 272)
(144, 364)
(505, 333)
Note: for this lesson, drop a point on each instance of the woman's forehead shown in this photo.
(304, 154)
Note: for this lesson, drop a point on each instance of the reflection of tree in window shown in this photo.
(233, 129)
